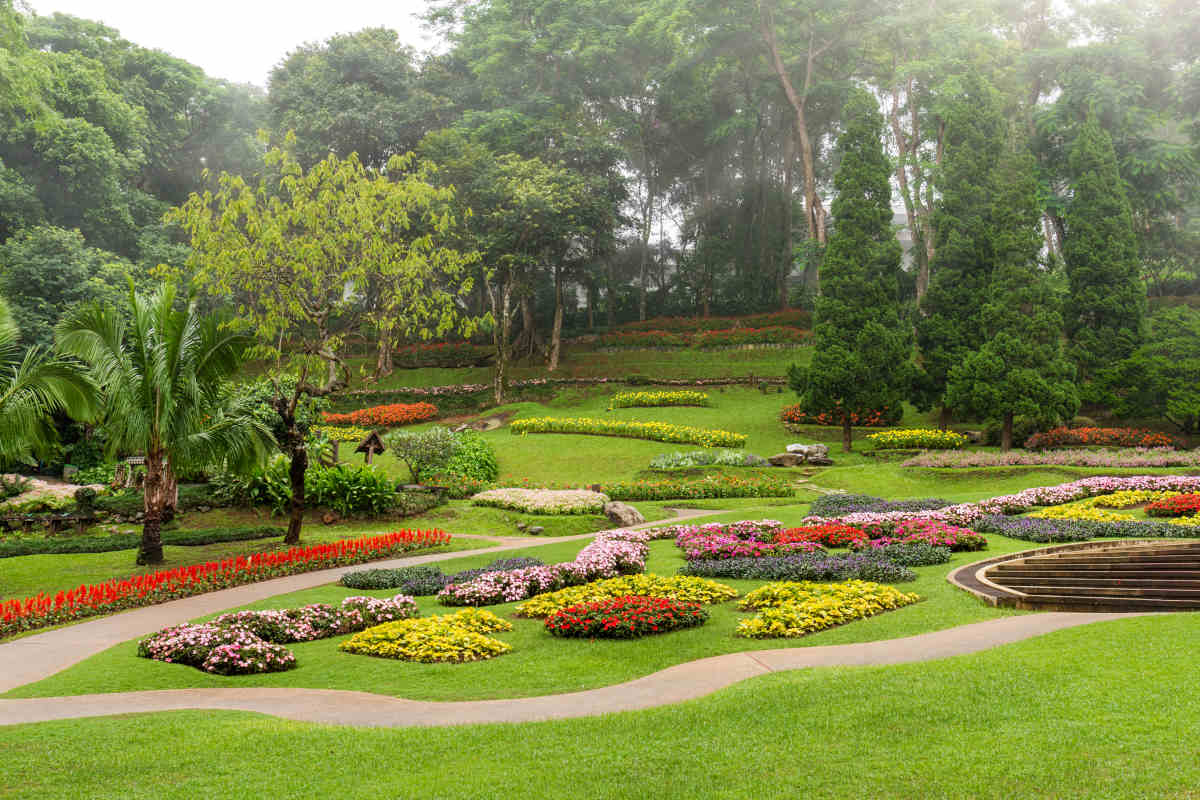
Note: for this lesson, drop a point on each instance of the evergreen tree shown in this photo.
(1107, 302)
(949, 326)
(1020, 369)
(860, 360)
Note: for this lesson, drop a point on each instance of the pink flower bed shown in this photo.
(698, 547)
(761, 530)
(929, 531)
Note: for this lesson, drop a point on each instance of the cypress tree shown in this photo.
(949, 326)
(861, 351)
(1020, 368)
(1106, 304)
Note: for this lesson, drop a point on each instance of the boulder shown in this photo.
(974, 437)
(622, 514)
(786, 460)
(809, 451)
(820, 462)
(534, 530)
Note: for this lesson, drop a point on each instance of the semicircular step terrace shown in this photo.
(1093, 576)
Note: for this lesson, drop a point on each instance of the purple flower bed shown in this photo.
(868, 566)
(1124, 457)
(830, 505)
(1078, 530)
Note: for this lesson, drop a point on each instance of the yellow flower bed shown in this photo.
(1081, 512)
(683, 588)
(654, 431)
(793, 609)
(650, 399)
(1190, 522)
(453, 638)
(924, 438)
(1126, 499)
(342, 433)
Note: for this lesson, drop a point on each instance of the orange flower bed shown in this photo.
(1106, 437)
(391, 415)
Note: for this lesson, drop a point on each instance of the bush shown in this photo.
(472, 458)
(391, 415)
(917, 438)
(654, 431)
(625, 618)
(705, 458)
(1105, 437)
(350, 490)
(13, 486)
(652, 399)
(341, 433)
(797, 609)
(100, 474)
(675, 587)
(815, 567)
(423, 452)
(449, 638)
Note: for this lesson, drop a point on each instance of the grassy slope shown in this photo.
(1101, 711)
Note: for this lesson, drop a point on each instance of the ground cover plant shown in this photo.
(917, 438)
(787, 610)
(543, 501)
(625, 617)
(654, 431)
(653, 399)
(454, 638)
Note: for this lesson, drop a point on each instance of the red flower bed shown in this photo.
(829, 535)
(793, 317)
(877, 418)
(1183, 505)
(43, 610)
(390, 415)
(1104, 437)
(625, 618)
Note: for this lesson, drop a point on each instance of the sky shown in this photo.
(241, 40)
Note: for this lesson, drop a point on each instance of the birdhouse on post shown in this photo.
(370, 446)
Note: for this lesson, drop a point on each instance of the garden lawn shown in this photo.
(539, 664)
(1099, 711)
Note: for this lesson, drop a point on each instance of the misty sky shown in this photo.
(240, 40)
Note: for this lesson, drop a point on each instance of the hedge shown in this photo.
(129, 541)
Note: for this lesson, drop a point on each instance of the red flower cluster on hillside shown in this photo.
(796, 415)
(729, 337)
(391, 415)
(1109, 437)
(829, 535)
(625, 618)
(1182, 505)
(793, 317)
(43, 610)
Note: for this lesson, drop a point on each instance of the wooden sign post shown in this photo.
(370, 446)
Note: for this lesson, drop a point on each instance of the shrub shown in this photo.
(922, 438)
(27, 546)
(705, 458)
(543, 501)
(828, 535)
(423, 452)
(350, 490)
(628, 617)
(651, 399)
(392, 415)
(1180, 505)
(13, 486)
(1111, 437)
(798, 609)
(675, 587)
(451, 638)
(813, 567)
(472, 458)
(654, 431)
(708, 487)
(341, 433)
(101, 474)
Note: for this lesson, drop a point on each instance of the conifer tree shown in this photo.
(1107, 303)
(861, 351)
(1020, 368)
(949, 326)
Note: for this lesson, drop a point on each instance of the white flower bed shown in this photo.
(543, 501)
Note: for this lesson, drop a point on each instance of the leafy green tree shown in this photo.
(1106, 304)
(1162, 377)
(35, 386)
(949, 326)
(163, 370)
(860, 349)
(1020, 369)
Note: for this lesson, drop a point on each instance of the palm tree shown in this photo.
(35, 386)
(162, 369)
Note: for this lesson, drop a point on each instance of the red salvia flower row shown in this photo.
(43, 610)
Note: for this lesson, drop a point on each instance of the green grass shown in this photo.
(1100, 711)
(539, 663)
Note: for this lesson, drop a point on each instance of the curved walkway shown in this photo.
(672, 685)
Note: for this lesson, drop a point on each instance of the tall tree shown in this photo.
(860, 349)
(1020, 369)
(163, 370)
(1107, 303)
(949, 326)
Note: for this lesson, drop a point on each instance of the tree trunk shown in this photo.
(1006, 433)
(384, 365)
(502, 332)
(943, 418)
(610, 301)
(847, 434)
(296, 470)
(591, 308)
(789, 244)
(556, 332)
(154, 501)
(170, 493)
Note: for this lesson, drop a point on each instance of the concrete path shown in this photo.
(32, 658)
(672, 685)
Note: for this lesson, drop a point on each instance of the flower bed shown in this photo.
(543, 501)
(676, 587)
(906, 553)
(1032, 529)
(422, 580)
(654, 431)
(654, 399)
(451, 638)
(828, 535)
(341, 433)
(43, 610)
(921, 438)
(872, 418)
(704, 340)
(247, 642)
(1125, 457)
(789, 610)
(1105, 437)
(1180, 505)
(930, 531)
(391, 415)
(710, 487)
(810, 567)
(707, 458)
(760, 530)
(611, 554)
(710, 547)
(792, 317)
(832, 505)
(628, 617)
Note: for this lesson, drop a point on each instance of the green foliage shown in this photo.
(472, 458)
(1162, 377)
(349, 490)
(861, 350)
(1107, 303)
(423, 452)
(25, 546)
(705, 458)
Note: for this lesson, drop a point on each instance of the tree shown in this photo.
(302, 251)
(1162, 377)
(35, 386)
(860, 349)
(1020, 369)
(163, 372)
(949, 326)
(1106, 303)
